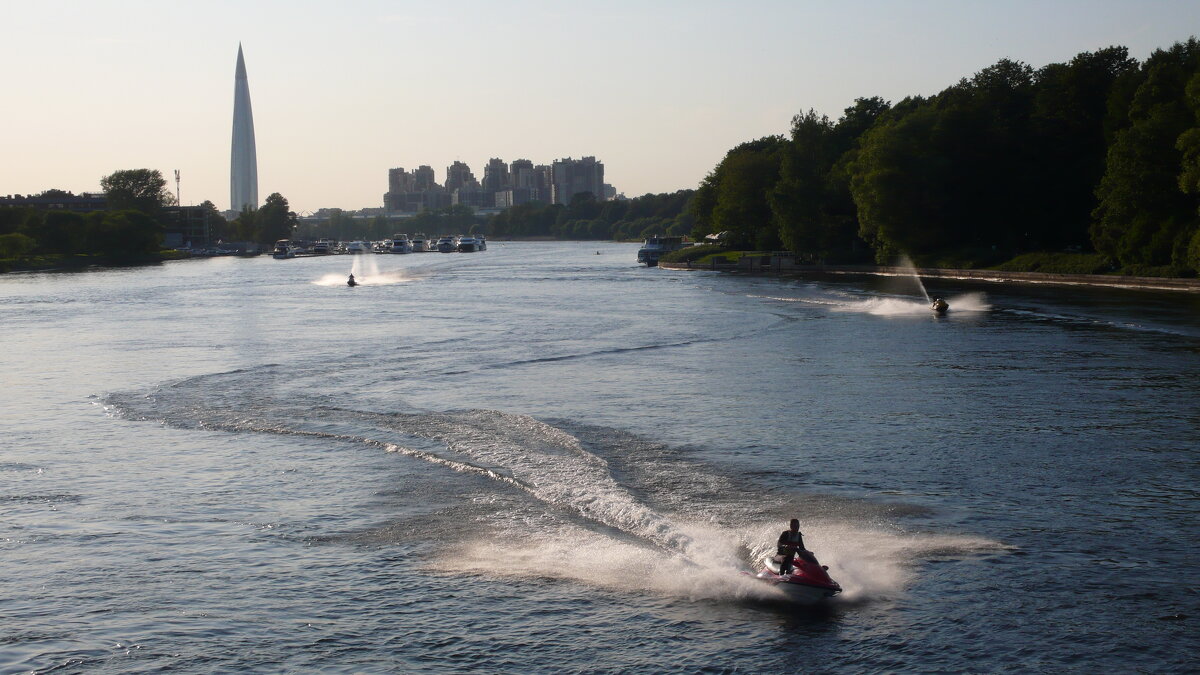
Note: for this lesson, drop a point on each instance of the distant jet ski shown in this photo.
(808, 583)
(351, 282)
(939, 306)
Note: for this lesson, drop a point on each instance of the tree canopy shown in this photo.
(1097, 154)
(142, 189)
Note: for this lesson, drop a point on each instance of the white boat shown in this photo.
(420, 243)
(447, 244)
(358, 247)
(482, 242)
(468, 244)
(322, 247)
(284, 249)
(400, 244)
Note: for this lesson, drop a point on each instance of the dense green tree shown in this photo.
(13, 218)
(142, 189)
(62, 232)
(219, 228)
(54, 193)
(123, 234)
(896, 179)
(812, 204)
(734, 196)
(1145, 215)
(1189, 175)
(950, 173)
(16, 245)
(274, 220)
(1069, 117)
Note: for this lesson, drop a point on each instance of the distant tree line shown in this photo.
(342, 226)
(584, 218)
(132, 226)
(1101, 154)
(588, 218)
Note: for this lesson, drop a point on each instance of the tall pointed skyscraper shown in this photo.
(243, 166)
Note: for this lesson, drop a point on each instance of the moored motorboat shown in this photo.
(400, 244)
(284, 248)
(468, 244)
(420, 243)
(655, 247)
(807, 583)
(447, 244)
(358, 247)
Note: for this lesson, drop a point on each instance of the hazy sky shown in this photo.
(342, 91)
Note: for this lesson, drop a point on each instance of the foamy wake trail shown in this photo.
(366, 272)
(889, 306)
(868, 563)
(551, 465)
(581, 524)
(639, 548)
(966, 302)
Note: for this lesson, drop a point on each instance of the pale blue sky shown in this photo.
(342, 91)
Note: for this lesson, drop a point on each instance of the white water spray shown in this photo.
(365, 269)
(906, 264)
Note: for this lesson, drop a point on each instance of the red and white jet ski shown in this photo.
(807, 583)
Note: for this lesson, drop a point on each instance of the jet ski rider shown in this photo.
(791, 544)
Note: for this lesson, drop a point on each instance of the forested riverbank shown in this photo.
(1100, 156)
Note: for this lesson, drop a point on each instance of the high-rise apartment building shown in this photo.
(496, 176)
(400, 180)
(458, 175)
(572, 177)
(503, 185)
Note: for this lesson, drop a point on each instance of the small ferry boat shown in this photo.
(654, 248)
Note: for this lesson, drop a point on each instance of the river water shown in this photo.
(543, 458)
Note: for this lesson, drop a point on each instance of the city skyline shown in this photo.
(345, 92)
(502, 185)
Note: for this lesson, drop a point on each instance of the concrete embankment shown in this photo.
(785, 265)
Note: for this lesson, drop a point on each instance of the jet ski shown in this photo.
(351, 282)
(808, 583)
(939, 306)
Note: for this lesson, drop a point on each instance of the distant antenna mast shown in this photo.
(178, 201)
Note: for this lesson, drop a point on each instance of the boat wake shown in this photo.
(888, 306)
(370, 275)
(557, 499)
